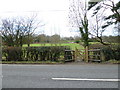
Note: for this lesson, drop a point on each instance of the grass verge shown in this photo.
(30, 62)
(53, 62)
(113, 61)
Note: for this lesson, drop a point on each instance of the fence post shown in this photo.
(86, 53)
(102, 57)
(74, 56)
(76, 53)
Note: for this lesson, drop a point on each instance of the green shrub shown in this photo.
(111, 52)
(45, 53)
(12, 53)
(77, 41)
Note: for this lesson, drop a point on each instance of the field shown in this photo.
(72, 45)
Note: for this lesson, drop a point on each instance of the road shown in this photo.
(41, 76)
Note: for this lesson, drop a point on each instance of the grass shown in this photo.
(53, 62)
(94, 43)
(72, 45)
(30, 62)
(113, 61)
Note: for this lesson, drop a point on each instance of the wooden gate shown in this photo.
(69, 55)
(94, 55)
(79, 54)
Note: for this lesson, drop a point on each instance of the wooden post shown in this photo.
(74, 56)
(76, 53)
(86, 53)
(102, 57)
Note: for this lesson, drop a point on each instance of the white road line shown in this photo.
(81, 79)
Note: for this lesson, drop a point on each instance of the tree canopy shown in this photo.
(113, 18)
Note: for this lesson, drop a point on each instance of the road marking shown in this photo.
(81, 79)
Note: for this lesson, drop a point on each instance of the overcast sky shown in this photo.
(54, 13)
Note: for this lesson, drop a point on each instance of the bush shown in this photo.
(12, 53)
(52, 53)
(77, 41)
(111, 52)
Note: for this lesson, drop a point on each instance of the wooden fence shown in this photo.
(92, 55)
(69, 55)
(79, 54)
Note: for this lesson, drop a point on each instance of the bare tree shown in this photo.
(30, 24)
(55, 38)
(96, 29)
(9, 32)
(107, 5)
(79, 18)
(17, 31)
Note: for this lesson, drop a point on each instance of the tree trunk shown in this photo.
(28, 40)
(28, 45)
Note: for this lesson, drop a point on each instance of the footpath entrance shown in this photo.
(74, 55)
(91, 54)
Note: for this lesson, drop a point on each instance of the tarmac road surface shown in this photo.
(48, 76)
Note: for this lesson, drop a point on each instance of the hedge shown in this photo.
(108, 52)
(45, 53)
(111, 52)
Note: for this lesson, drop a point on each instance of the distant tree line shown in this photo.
(42, 38)
(109, 39)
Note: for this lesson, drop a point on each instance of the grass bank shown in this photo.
(30, 62)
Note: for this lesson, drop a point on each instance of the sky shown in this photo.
(53, 13)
